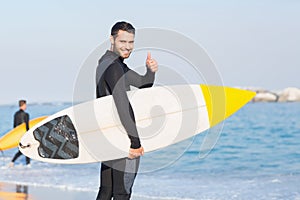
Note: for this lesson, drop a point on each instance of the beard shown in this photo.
(122, 53)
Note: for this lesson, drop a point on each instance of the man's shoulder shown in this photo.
(21, 112)
(18, 112)
(110, 62)
(108, 57)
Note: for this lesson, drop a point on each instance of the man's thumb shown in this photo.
(148, 56)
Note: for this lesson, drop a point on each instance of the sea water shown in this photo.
(256, 156)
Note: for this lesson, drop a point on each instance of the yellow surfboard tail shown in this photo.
(222, 102)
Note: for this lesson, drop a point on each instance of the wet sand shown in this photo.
(11, 191)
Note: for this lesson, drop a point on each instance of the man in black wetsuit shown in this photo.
(21, 117)
(113, 77)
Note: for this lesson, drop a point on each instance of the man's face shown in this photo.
(24, 106)
(123, 44)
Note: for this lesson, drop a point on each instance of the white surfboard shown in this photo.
(92, 131)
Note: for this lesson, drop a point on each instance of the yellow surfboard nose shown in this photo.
(222, 102)
(12, 138)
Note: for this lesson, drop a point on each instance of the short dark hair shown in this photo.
(22, 102)
(124, 26)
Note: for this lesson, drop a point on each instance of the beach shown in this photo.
(11, 191)
(256, 156)
(52, 56)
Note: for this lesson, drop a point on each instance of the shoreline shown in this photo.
(24, 191)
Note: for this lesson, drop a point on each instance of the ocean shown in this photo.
(256, 156)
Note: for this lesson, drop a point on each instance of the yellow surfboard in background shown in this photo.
(12, 138)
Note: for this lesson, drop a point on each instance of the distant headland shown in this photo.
(290, 94)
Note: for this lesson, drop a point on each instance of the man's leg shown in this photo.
(105, 190)
(124, 173)
(27, 160)
(17, 155)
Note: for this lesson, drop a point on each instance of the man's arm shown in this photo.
(26, 119)
(139, 81)
(114, 77)
(147, 80)
(15, 120)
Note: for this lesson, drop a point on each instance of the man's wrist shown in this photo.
(135, 145)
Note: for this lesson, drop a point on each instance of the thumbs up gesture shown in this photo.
(151, 63)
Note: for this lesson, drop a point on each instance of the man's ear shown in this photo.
(112, 40)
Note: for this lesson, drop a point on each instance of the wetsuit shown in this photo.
(20, 117)
(113, 77)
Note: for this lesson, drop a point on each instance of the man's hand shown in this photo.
(151, 63)
(134, 153)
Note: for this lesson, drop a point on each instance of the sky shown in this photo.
(44, 44)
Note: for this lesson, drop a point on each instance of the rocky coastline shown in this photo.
(290, 94)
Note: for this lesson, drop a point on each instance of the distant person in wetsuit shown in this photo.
(21, 117)
(114, 77)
